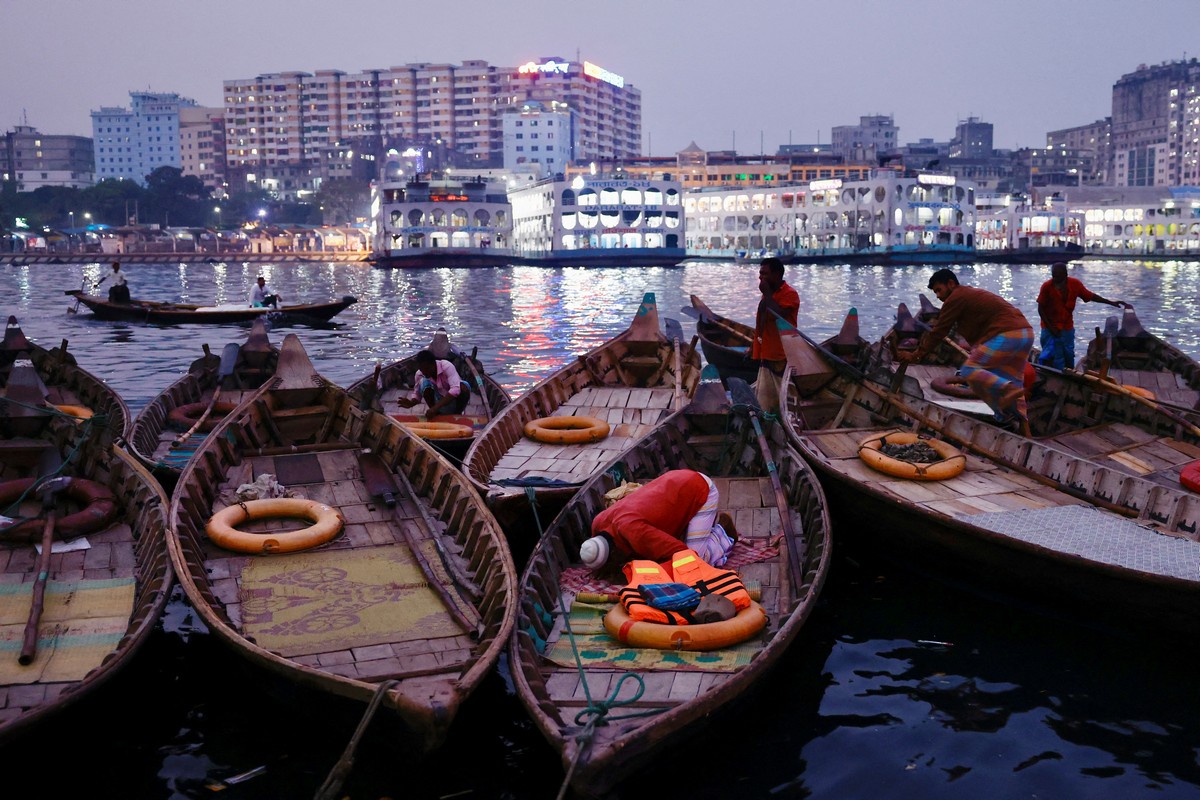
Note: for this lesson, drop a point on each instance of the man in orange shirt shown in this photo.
(1056, 307)
(777, 298)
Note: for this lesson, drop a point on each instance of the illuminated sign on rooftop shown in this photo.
(600, 73)
(936, 180)
(818, 186)
(551, 67)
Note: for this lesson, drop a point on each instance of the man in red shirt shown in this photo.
(777, 298)
(675, 511)
(1056, 307)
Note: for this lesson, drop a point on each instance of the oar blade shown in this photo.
(742, 394)
(674, 329)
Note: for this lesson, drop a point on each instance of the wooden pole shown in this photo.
(29, 645)
(487, 406)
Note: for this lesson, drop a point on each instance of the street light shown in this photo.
(217, 211)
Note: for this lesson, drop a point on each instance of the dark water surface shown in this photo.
(898, 688)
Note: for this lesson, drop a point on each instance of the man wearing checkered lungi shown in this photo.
(1000, 337)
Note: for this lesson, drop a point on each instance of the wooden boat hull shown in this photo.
(1030, 518)
(633, 381)
(155, 442)
(185, 314)
(125, 567)
(551, 692)
(725, 343)
(311, 436)
(396, 380)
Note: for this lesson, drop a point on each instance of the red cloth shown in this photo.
(652, 522)
(766, 344)
(1059, 308)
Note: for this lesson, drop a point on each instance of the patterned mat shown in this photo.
(597, 649)
(332, 600)
(1097, 536)
(81, 623)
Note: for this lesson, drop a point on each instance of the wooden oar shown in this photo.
(855, 374)
(229, 356)
(1108, 385)
(381, 483)
(487, 407)
(696, 313)
(742, 395)
(29, 644)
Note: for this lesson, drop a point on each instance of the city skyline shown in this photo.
(725, 83)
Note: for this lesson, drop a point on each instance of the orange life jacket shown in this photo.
(637, 573)
(689, 568)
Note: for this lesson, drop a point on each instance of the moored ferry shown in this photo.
(598, 221)
(1008, 229)
(441, 223)
(889, 218)
(1164, 228)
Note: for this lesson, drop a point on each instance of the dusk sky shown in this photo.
(720, 72)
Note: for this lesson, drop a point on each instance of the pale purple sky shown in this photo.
(721, 72)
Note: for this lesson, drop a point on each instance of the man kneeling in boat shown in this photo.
(261, 296)
(1000, 339)
(438, 385)
(673, 512)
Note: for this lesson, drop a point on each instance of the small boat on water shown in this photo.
(402, 589)
(83, 554)
(1092, 520)
(189, 313)
(1131, 355)
(606, 399)
(167, 432)
(609, 708)
(451, 434)
(724, 342)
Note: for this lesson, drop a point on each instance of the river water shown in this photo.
(899, 687)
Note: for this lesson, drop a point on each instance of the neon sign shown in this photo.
(600, 73)
(936, 180)
(550, 66)
(818, 186)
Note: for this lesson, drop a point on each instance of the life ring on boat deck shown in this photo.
(566, 429)
(709, 636)
(954, 386)
(327, 523)
(79, 412)
(1189, 476)
(439, 430)
(953, 461)
(184, 417)
(99, 509)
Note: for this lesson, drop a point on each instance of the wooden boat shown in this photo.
(71, 620)
(725, 342)
(632, 382)
(388, 384)
(167, 431)
(682, 690)
(413, 601)
(1131, 355)
(1092, 520)
(67, 383)
(189, 313)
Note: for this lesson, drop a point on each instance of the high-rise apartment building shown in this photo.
(872, 137)
(1156, 125)
(972, 139)
(540, 135)
(1096, 138)
(290, 121)
(32, 160)
(202, 145)
(130, 143)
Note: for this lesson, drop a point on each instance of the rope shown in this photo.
(337, 776)
(596, 712)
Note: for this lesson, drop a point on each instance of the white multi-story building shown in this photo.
(866, 141)
(32, 160)
(130, 143)
(540, 135)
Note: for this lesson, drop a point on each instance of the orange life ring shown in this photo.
(99, 509)
(439, 430)
(709, 636)
(1189, 476)
(184, 417)
(566, 429)
(953, 461)
(327, 523)
(954, 386)
(79, 412)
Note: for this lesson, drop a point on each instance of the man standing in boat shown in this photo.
(1000, 339)
(261, 296)
(438, 385)
(777, 298)
(118, 292)
(1056, 307)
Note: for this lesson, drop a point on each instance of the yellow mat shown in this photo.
(81, 623)
(598, 649)
(338, 599)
